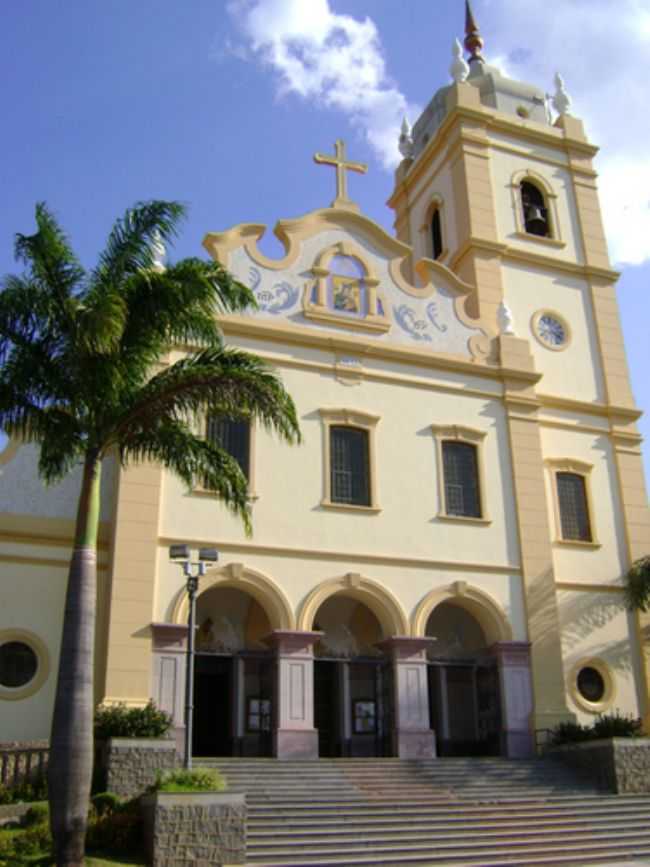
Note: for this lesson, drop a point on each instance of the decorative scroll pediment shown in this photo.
(341, 272)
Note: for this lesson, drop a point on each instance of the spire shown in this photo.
(473, 41)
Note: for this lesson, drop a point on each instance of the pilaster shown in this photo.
(133, 577)
(412, 734)
(294, 734)
(513, 658)
(544, 632)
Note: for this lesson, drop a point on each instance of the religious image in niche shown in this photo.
(346, 294)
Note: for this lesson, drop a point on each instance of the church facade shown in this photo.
(437, 568)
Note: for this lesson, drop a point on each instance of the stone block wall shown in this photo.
(619, 765)
(128, 766)
(194, 830)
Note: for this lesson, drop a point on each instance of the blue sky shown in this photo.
(222, 104)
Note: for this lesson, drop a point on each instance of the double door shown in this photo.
(465, 707)
(353, 707)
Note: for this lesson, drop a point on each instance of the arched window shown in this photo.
(535, 212)
(436, 234)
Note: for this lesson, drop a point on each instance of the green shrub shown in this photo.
(36, 815)
(119, 721)
(570, 733)
(616, 725)
(106, 802)
(33, 841)
(116, 830)
(194, 780)
(23, 793)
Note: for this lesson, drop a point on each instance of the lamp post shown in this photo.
(193, 570)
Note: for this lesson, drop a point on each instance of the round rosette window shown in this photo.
(24, 664)
(592, 686)
(551, 330)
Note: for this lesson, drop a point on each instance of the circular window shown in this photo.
(592, 686)
(551, 330)
(24, 664)
(18, 664)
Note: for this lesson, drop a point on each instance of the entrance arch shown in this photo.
(267, 593)
(353, 684)
(491, 617)
(464, 692)
(234, 671)
(377, 598)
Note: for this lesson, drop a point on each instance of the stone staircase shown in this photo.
(485, 812)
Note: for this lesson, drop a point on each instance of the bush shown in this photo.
(36, 815)
(119, 721)
(33, 841)
(117, 829)
(569, 733)
(23, 793)
(194, 780)
(615, 725)
(106, 802)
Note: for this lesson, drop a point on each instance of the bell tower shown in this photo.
(497, 183)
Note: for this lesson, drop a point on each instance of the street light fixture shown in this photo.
(193, 570)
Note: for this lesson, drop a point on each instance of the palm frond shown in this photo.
(637, 585)
(226, 381)
(195, 460)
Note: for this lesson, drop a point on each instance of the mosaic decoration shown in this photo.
(346, 288)
(415, 325)
(280, 297)
(346, 294)
(222, 637)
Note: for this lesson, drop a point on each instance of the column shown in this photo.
(513, 659)
(168, 674)
(412, 735)
(294, 735)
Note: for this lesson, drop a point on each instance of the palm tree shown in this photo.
(82, 375)
(637, 585)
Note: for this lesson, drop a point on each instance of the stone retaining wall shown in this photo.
(195, 829)
(128, 766)
(619, 765)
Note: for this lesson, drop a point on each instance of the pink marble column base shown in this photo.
(296, 744)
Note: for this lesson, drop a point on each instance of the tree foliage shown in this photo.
(637, 585)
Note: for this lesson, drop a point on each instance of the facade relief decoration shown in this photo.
(342, 272)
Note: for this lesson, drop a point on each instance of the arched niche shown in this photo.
(488, 613)
(264, 590)
(378, 599)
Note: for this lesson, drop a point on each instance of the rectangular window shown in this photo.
(574, 511)
(462, 491)
(233, 436)
(350, 471)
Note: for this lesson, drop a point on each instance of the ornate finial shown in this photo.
(158, 252)
(505, 319)
(459, 69)
(473, 41)
(342, 166)
(561, 99)
(406, 141)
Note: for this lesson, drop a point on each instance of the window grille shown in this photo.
(349, 466)
(574, 512)
(233, 436)
(462, 492)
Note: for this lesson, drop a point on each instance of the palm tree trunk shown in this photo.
(71, 743)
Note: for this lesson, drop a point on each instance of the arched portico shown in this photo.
(489, 614)
(378, 599)
(262, 588)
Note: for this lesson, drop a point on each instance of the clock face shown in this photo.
(551, 331)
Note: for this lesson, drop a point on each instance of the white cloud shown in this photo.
(600, 48)
(334, 59)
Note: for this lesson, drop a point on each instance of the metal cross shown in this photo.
(342, 167)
